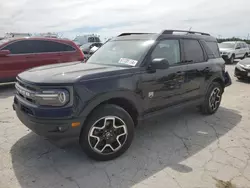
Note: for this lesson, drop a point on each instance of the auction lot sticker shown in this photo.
(127, 61)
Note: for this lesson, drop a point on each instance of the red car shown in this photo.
(17, 55)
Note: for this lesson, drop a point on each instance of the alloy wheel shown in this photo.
(107, 135)
(215, 98)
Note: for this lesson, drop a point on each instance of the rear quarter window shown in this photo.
(213, 46)
(193, 51)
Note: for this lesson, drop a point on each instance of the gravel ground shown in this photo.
(183, 149)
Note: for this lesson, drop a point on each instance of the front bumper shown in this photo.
(54, 129)
(241, 73)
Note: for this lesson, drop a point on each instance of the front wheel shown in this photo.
(108, 133)
(231, 59)
(212, 99)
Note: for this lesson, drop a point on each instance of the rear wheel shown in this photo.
(245, 55)
(212, 99)
(108, 133)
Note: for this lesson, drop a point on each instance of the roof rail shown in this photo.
(184, 31)
(124, 34)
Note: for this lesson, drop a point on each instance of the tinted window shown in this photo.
(51, 46)
(168, 49)
(93, 39)
(37, 46)
(20, 47)
(214, 48)
(193, 51)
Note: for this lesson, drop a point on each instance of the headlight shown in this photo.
(240, 66)
(58, 97)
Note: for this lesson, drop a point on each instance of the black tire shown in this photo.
(107, 111)
(231, 59)
(206, 107)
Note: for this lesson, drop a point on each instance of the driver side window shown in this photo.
(168, 49)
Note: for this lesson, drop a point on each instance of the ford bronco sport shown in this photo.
(130, 78)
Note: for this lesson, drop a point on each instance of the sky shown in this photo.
(221, 18)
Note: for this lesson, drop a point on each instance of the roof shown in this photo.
(7, 40)
(165, 34)
(36, 38)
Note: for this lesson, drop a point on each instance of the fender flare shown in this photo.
(130, 96)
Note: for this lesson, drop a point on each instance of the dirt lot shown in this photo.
(183, 149)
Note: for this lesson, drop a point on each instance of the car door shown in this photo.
(21, 57)
(48, 52)
(238, 50)
(197, 69)
(163, 88)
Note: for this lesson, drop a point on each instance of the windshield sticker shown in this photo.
(127, 61)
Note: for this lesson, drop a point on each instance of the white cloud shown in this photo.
(110, 17)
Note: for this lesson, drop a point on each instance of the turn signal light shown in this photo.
(75, 124)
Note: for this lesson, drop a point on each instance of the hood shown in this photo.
(226, 49)
(67, 73)
(245, 62)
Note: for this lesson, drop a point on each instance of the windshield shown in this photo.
(227, 45)
(121, 53)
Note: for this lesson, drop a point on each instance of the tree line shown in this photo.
(233, 39)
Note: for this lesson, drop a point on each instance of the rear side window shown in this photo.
(193, 51)
(244, 45)
(51, 46)
(213, 46)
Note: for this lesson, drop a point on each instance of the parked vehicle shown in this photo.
(84, 39)
(242, 69)
(129, 79)
(233, 49)
(86, 48)
(249, 49)
(19, 54)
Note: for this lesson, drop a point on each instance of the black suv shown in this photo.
(130, 78)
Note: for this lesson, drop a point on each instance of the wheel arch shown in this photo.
(126, 100)
(220, 81)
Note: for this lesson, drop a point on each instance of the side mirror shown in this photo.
(237, 48)
(159, 63)
(4, 53)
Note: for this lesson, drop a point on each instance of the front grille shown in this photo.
(25, 91)
(26, 86)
